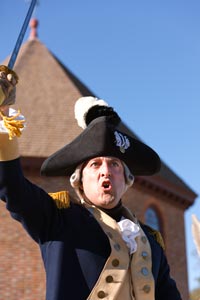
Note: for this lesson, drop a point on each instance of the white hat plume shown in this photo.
(82, 106)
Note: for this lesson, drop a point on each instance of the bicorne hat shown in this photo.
(101, 137)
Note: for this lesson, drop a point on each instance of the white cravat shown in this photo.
(129, 232)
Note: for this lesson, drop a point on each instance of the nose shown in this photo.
(105, 170)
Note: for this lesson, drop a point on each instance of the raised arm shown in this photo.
(27, 203)
(8, 146)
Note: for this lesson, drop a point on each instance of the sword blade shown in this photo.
(21, 35)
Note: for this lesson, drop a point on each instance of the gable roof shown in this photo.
(46, 94)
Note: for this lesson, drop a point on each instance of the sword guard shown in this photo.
(8, 71)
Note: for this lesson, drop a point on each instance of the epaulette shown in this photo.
(157, 236)
(61, 199)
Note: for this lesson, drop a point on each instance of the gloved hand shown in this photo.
(11, 121)
(8, 81)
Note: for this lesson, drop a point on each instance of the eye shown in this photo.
(115, 163)
(94, 164)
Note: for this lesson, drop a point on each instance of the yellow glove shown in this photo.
(8, 81)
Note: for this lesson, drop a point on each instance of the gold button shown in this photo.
(146, 288)
(101, 294)
(144, 271)
(109, 279)
(144, 239)
(144, 254)
(115, 262)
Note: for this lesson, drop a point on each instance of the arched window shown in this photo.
(152, 218)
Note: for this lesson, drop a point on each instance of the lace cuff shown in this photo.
(12, 124)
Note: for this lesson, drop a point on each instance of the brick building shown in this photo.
(46, 94)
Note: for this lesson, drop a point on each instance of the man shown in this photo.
(94, 248)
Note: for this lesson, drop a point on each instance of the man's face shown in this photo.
(103, 181)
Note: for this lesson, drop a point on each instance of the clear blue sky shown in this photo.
(143, 57)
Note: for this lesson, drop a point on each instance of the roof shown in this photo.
(166, 181)
(46, 94)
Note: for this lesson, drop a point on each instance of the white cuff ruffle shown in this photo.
(12, 113)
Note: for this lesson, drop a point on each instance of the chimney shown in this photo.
(33, 26)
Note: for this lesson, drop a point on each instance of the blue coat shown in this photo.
(74, 247)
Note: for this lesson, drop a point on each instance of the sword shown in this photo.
(21, 35)
(7, 93)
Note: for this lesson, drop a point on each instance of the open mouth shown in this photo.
(106, 185)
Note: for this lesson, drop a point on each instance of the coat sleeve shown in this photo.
(166, 288)
(26, 202)
(165, 285)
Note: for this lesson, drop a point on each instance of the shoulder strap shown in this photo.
(156, 235)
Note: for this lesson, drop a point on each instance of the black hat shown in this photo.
(102, 138)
